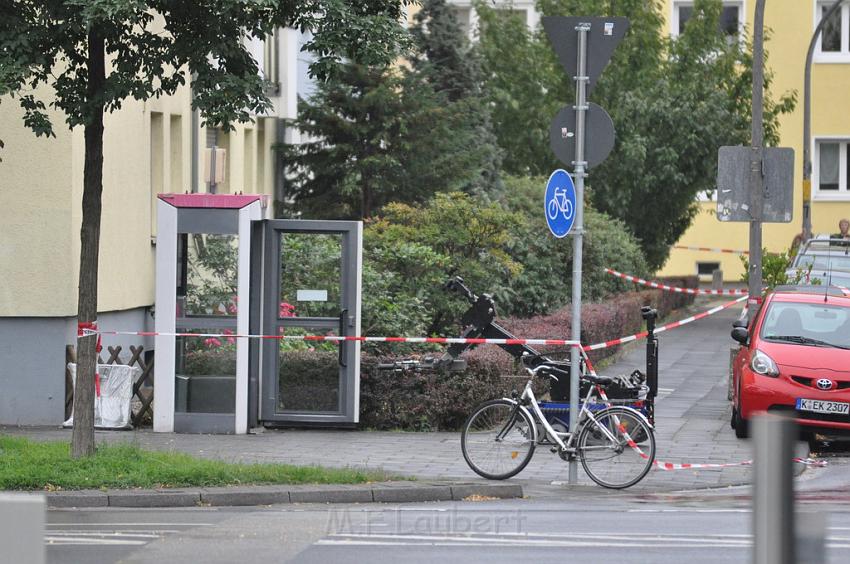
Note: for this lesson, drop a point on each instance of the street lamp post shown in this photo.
(807, 123)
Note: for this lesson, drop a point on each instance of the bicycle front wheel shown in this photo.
(617, 449)
(497, 440)
(552, 208)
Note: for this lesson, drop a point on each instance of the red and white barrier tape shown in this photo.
(337, 338)
(711, 250)
(669, 466)
(435, 340)
(660, 286)
(663, 328)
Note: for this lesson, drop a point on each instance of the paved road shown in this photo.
(706, 526)
(692, 426)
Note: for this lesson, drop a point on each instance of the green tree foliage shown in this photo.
(775, 270)
(378, 134)
(452, 235)
(673, 102)
(443, 53)
(446, 60)
(545, 282)
(94, 54)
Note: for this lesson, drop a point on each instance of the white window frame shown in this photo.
(674, 15)
(843, 192)
(532, 16)
(842, 56)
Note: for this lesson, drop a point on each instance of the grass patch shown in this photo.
(32, 465)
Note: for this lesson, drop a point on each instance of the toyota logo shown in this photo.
(824, 384)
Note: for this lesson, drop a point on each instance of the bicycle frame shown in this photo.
(528, 398)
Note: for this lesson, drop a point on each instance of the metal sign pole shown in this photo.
(579, 174)
(756, 159)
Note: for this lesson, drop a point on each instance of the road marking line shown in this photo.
(688, 511)
(147, 535)
(580, 538)
(541, 544)
(58, 541)
(130, 524)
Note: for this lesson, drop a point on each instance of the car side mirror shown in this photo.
(741, 335)
(740, 323)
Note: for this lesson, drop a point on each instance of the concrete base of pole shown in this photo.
(22, 528)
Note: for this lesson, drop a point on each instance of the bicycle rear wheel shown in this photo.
(621, 462)
(497, 440)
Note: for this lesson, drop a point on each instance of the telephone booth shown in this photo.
(203, 265)
(224, 270)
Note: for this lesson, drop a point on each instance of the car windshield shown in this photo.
(835, 262)
(807, 324)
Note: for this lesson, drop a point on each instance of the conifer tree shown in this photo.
(452, 66)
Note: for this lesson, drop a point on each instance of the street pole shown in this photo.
(756, 155)
(807, 123)
(579, 166)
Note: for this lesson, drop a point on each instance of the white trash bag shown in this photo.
(112, 405)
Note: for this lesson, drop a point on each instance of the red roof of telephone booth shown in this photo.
(212, 201)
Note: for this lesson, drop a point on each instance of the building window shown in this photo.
(832, 169)
(731, 17)
(157, 165)
(707, 268)
(834, 42)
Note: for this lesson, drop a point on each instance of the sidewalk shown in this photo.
(692, 425)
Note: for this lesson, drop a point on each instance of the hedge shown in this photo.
(431, 401)
(441, 401)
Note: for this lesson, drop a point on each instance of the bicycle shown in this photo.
(560, 203)
(615, 444)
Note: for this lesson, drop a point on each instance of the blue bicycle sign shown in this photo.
(560, 203)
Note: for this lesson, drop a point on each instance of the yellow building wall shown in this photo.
(36, 249)
(147, 150)
(792, 25)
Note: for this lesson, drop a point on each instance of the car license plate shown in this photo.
(821, 406)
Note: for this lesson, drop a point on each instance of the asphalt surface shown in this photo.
(695, 527)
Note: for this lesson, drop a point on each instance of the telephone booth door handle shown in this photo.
(342, 344)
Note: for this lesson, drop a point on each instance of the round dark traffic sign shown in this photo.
(599, 135)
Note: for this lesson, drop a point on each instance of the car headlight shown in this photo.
(764, 365)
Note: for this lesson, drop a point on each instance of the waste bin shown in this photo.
(113, 393)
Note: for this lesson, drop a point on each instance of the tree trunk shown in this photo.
(82, 438)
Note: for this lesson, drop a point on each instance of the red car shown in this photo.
(794, 359)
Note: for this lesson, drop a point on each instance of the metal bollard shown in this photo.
(773, 490)
(21, 528)
(717, 279)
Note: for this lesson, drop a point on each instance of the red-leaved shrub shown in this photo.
(442, 400)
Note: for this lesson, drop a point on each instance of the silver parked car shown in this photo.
(822, 260)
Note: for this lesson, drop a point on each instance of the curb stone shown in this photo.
(390, 492)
